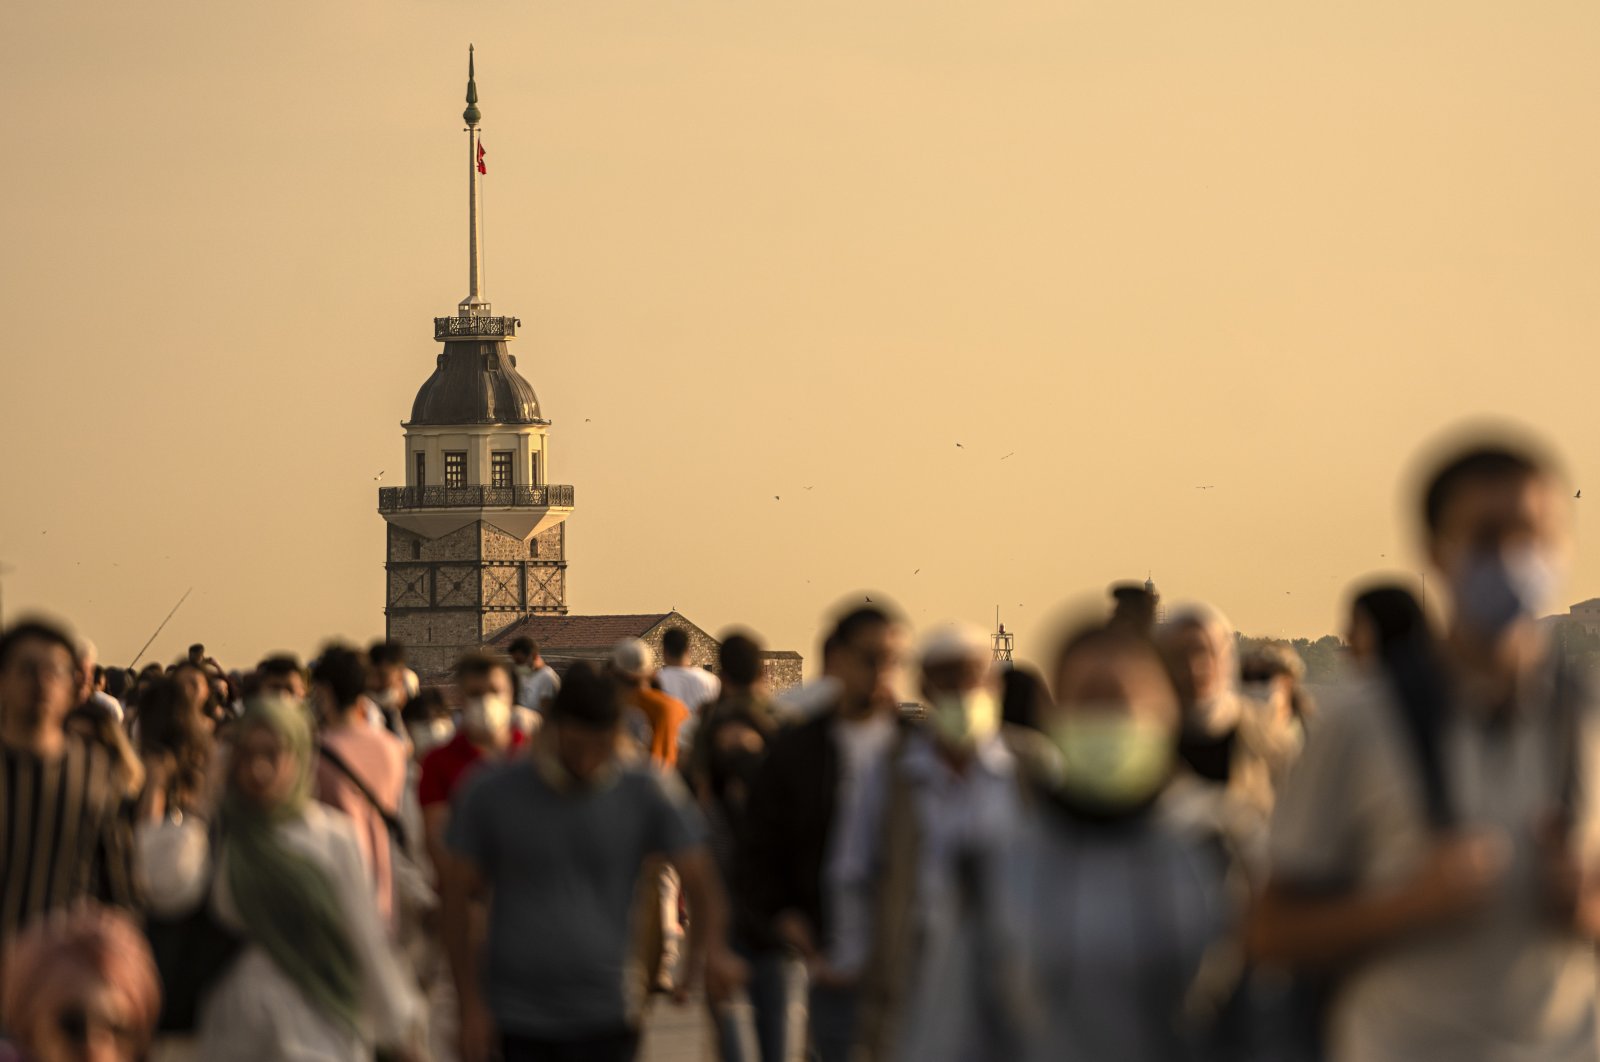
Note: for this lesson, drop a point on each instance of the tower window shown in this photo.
(533, 472)
(416, 550)
(455, 468)
(500, 468)
(420, 478)
(533, 547)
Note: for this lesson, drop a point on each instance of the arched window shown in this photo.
(533, 547)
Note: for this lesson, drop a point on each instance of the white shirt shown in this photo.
(255, 1012)
(539, 688)
(694, 686)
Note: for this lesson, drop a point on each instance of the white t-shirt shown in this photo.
(1505, 985)
(694, 686)
(539, 688)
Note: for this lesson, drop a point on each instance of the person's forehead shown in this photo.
(1510, 500)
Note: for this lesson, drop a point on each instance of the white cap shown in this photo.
(633, 658)
(953, 643)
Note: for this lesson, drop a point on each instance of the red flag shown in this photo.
(481, 167)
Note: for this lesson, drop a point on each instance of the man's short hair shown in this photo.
(197, 647)
(37, 630)
(1491, 463)
(854, 623)
(675, 642)
(524, 646)
(341, 669)
(587, 698)
(280, 665)
(740, 659)
(481, 664)
(386, 654)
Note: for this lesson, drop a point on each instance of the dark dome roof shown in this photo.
(476, 383)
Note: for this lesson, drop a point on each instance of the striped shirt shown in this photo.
(64, 835)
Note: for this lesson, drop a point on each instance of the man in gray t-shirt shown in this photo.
(1468, 936)
(556, 842)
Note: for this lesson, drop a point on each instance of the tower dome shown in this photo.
(476, 383)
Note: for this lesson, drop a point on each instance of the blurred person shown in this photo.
(1134, 607)
(94, 680)
(60, 796)
(1389, 635)
(95, 724)
(1271, 678)
(726, 754)
(485, 684)
(361, 769)
(1023, 696)
(316, 978)
(80, 987)
(1464, 931)
(693, 687)
(537, 681)
(198, 656)
(807, 786)
(556, 844)
(918, 882)
(196, 683)
(658, 718)
(742, 694)
(176, 745)
(390, 684)
(1119, 903)
(1229, 744)
(281, 676)
(659, 715)
(428, 722)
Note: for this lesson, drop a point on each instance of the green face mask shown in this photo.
(965, 719)
(1110, 759)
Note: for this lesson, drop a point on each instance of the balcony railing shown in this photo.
(396, 499)
(444, 327)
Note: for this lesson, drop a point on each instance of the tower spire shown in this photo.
(474, 304)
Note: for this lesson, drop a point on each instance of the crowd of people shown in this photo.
(1150, 850)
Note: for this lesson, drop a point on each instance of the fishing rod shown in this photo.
(164, 623)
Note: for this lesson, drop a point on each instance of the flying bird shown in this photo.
(960, 447)
(776, 498)
(1212, 486)
(918, 570)
(1578, 495)
(377, 477)
(869, 598)
(811, 488)
(1013, 453)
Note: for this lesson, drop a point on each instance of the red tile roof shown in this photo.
(565, 634)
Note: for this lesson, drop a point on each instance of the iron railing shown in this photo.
(395, 499)
(474, 326)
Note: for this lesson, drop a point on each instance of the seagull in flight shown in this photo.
(1578, 495)
(1212, 486)
(1013, 453)
(378, 476)
(960, 447)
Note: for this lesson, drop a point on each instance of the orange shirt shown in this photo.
(666, 715)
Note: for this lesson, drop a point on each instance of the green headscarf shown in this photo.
(286, 900)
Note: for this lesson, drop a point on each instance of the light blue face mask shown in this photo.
(1496, 589)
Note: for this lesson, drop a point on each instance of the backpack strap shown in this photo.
(391, 821)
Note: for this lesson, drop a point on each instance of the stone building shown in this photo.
(477, 540)
(563, 639)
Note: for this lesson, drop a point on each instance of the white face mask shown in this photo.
(431, 735)
(488, 716)
(966, 718)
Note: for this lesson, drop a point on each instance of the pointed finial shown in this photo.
(471, 115)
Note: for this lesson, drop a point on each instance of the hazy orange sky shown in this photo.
(759, 248)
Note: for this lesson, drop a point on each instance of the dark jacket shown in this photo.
(790, 822)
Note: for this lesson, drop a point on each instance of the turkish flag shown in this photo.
(481, 167)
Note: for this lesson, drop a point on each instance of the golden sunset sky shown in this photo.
(764, 247)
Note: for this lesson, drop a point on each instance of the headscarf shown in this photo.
(286, 900)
